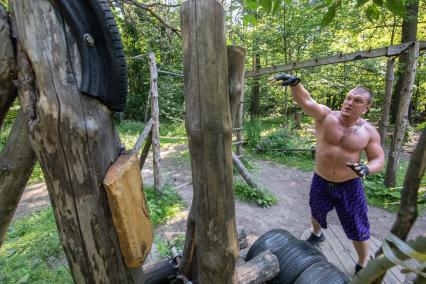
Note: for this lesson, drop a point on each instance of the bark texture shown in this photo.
(75, 141)
(7, 66)
(17, 161)
(402, 116)
(208, 124)
(387, 100)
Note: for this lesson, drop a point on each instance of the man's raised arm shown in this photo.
(302, 96)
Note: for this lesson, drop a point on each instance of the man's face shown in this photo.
(355, 104)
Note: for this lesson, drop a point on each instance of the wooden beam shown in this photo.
(387, 100)
(156, 158)
(391, 50)
(402, 116)
(147, 129)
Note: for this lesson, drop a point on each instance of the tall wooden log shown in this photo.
(75, 141)
(156, 158)
(402, 116)
(387, 100)
(236, 61)
(17, 161)
(7, 66)
(208, 124)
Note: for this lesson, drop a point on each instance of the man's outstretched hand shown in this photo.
(286, 79)
(360, 169)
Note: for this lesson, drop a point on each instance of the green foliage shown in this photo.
(32, 252)
(164, 246)
(252, 134)
(163, 206)
(284, 138)
(262, 197)
(37, 175)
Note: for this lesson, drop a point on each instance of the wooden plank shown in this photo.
(341, 252)
(340, 58)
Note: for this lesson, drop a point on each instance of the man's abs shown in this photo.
(330, 163)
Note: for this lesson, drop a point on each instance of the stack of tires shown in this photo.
(300, 262)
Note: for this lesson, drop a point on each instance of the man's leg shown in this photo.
(362, 251)
(316, 226)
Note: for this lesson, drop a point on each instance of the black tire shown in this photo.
(274, 240)
(160, 273)
(295, 259)
(322, 272)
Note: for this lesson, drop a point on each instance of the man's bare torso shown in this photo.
(337, 145)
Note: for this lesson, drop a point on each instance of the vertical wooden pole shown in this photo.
(402, 116)
(156, 158)
(208, 124)
(387, 100)
(236, 62)
(75, 141)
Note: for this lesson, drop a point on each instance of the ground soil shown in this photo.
(289, 185)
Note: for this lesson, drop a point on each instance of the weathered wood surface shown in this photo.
(145, 150)
(123, 184)
(7, 66)
(402, 116)
(208, 124)
(155, 114)
(17, 160)
(387, 100)
(339, 250)
(236, 60)
(258, 270)
(75, 141)
(244, 172)
(340, 58)
(145, 133)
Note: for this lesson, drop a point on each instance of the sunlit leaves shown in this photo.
(266, 5)
(397, 7)
(249, 19)
(372, 13)
(331, 13)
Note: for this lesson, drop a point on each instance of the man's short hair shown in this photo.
(365, 90)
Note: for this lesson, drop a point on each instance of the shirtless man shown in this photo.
(341, 137)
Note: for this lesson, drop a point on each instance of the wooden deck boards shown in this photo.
(339, 250)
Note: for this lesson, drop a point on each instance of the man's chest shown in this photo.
(353, 138)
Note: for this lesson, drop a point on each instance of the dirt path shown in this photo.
(290, 186)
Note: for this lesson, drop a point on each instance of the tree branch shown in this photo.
(147, 8)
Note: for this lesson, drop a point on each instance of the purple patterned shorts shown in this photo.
(348, 198)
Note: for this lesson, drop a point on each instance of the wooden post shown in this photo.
(208, 124)
(387, 100)
(17, 161)
(402, 116)
(7, 66)
(156, 158)
(236, 62)
(75, 141)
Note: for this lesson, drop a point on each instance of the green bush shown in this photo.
(261, 196)
(253, 129)
(163, 206)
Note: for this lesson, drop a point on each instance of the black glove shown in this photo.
(287, 79)
(359, 168)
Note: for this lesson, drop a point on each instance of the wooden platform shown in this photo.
(339, 250)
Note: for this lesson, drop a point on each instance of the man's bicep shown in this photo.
(316, 110)
(374, 149)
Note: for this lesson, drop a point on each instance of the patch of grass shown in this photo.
(173, 129)
(163, 206)
(301, 161)
(164, 246)
(31, 251)
(36, 175)
(261, 197)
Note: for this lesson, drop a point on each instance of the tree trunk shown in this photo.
(17, 161)
(402, 119)
(408, 34)
(156, 158)
(75, 141)
(208, 124)
(7, 67)
(255, 91)
(387, 100)
(259, 269)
